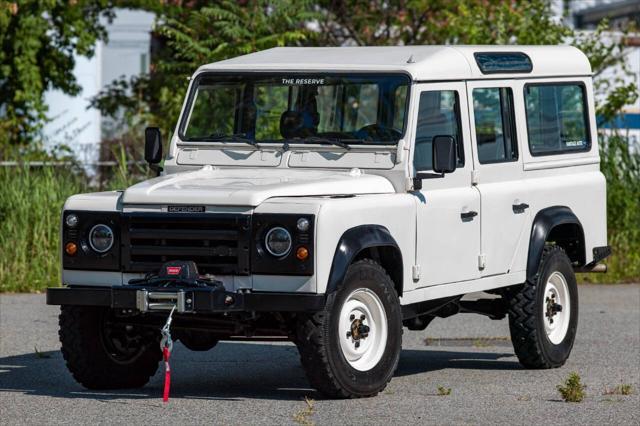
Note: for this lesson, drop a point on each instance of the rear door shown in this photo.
(499, 173)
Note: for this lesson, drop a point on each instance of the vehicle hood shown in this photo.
(250, 187)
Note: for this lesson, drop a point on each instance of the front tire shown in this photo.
(104, 354)
(351, 348)
(198, 341)
(543, 314)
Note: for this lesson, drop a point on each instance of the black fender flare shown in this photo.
(544, 222)
(352, 242)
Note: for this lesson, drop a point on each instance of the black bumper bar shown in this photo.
(185, 299)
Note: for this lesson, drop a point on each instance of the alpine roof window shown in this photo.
(503, 62)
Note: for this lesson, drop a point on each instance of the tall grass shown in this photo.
(31, 200)
(621, 167)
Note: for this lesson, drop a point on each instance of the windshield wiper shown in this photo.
(238, 137)
(332, 141)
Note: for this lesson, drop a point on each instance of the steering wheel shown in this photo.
(377, 132)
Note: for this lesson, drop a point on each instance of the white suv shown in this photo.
(331, 196)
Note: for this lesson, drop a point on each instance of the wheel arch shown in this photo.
(366, 241)
(560, 225)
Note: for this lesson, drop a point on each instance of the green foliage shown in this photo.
(197, 35)
(39, 39)
(621, 168)
(31, 200)
(380, 22)
(572, 390)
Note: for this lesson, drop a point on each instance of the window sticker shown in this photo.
(302, 81)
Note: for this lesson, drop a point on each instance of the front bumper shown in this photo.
(196, 300)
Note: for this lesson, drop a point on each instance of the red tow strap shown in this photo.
(167, 374)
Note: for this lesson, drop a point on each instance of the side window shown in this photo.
(495, 125)
(438, 115)
(556, 118)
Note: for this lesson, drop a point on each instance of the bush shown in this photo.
(621, 167)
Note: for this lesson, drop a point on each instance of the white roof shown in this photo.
(421, 62)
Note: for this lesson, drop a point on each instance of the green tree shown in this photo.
(382, 22)
(197, 35)
(39, 40)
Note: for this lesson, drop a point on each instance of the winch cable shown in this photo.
(166, 345)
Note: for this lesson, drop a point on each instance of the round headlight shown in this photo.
(278, 241)
(71, 220)
(101, 238)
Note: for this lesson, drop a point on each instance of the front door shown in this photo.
(448, 208)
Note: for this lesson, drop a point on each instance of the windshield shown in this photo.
(296, 108)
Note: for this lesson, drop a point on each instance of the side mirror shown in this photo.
(153, 148)
(444, 154)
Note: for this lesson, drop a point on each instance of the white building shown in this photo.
(126, 53)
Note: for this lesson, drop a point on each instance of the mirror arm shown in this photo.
(417, 180)
(156, 168)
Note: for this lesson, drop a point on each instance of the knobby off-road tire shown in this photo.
(324, 356)
(99, 365)
(538, 343)
(198, 341)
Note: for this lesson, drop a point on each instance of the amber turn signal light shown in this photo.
(302, 253)
(71, 249)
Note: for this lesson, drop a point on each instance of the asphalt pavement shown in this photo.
(263, 383)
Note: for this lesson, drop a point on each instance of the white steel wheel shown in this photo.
(556, 308)
(363, 329)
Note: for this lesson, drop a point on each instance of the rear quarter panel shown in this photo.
(572, 179)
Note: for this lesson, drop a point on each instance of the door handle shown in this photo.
(468, 215)
(520, 208)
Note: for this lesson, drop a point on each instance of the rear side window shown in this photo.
(495, 125)
(556, 118)
(438, 115)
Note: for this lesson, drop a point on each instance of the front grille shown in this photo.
(218, 243)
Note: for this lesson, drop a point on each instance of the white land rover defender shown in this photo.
(333, 196)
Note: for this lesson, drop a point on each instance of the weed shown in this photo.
(302, 417)
(442, 391)
(621, 389)
(481, 343)
(41, 355)
(573, 389)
